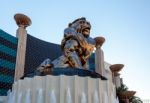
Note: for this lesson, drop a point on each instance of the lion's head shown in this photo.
(81, 25)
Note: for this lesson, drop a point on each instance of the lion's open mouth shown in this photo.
(86, 30)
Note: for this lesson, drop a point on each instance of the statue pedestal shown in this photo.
(57, 89)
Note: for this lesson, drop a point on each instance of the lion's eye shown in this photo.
(88, 23)
(82, 22)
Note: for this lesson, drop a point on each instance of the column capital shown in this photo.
(99, 41)
(22, 20)
(116, 67)
(126, 94)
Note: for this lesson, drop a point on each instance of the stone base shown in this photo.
(59, 89)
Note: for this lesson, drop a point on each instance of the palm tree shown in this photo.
(135, 99)
(122, 88)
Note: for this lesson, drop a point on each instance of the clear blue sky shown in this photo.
(124, 23)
